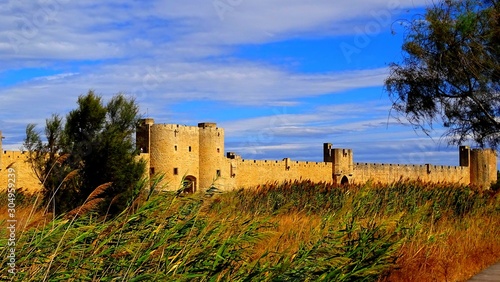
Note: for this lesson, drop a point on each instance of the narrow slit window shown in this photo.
(176, 171)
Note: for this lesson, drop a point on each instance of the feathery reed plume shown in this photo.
(70, 175)
(98, 191)
(91, 203)
(61, 159)
(85, 208)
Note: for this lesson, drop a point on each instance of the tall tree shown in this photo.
(450, 73)
(47, 161)
(96, 146)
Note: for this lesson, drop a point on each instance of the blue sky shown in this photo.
(282, 77)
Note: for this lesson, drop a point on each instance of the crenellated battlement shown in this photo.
(173, 127)
(284, 162)
(262, 162)
(412, 166)
(14, 154)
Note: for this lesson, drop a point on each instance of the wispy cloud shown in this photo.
(169, 54)
(93, 30)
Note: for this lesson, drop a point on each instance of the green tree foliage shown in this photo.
(450, 73)
(46, 161)
(95, 146)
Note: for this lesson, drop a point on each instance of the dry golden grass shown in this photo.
(453, 252)
(26, 216)
(290, 230)
(276, 230)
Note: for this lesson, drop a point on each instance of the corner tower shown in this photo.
(211, 139)
(483, 167)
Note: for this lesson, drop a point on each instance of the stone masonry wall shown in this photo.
(25, 177)
(175, 152)
(387, 173)
(250, 173)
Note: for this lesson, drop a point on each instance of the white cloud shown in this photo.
(165, 52)
(165, 84)
(56, 77)
(67, 30)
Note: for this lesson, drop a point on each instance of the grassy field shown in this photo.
(296, 231)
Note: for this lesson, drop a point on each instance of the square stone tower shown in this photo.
(342, 163)
(343, 167)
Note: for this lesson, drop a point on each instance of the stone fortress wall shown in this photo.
(193, 157)
(24, 176)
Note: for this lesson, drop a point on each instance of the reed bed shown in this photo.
(292, 231)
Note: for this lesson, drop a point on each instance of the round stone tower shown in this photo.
(211, 139)
(483, 167)
(175, 152)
